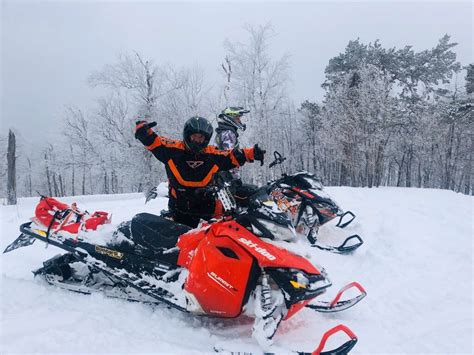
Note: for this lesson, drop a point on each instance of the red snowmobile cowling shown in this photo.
(56, 215)
(267, 255)
(220, 258)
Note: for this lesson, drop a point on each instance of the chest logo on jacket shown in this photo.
(194, 163)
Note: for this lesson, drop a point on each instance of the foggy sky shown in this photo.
(50, 48)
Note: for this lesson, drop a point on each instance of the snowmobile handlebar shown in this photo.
(220, 181)
(279, 159)
(208, 191)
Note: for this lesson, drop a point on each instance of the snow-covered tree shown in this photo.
(258, 82)
(11, 167)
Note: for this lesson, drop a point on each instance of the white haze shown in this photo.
(50, 48)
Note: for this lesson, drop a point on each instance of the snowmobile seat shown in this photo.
(324, 200)
(243, 193)
(155, 232)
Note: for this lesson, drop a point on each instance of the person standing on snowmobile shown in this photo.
(190, 166)
(229, 122)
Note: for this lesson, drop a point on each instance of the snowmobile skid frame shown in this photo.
(74, 247)
(57, 274)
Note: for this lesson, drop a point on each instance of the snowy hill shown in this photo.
(416, 265)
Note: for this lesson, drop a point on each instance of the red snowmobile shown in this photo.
(222, 269)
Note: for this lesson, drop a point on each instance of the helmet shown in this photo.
(194, 125)
(231, 115)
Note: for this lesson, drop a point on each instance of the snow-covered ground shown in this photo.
(416, 265)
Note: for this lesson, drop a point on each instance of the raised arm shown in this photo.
(157, 145)
(233, 158)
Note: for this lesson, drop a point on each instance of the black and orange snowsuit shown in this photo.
(189, 171)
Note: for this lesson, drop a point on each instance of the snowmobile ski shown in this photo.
(336, 305)
(340, 224)
(354, 241)
(343, 349)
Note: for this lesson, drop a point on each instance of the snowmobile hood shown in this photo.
(266, 254)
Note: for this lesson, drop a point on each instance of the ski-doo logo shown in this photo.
(194, 163)
(258, 249)
(112, 253)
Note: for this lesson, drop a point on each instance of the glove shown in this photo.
(258, 154)
(144, 132)
(205, 193)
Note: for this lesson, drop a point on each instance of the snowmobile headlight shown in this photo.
(310, 282)
(280, 232)
(297, 284)
(301, 279)
(298, 279)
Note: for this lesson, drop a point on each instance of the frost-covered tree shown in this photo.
(378, 105)
(470, 79)
(139, 89)
(359, 120)
(11, 167)
(311, 126)
(258, 82)
(390, 116)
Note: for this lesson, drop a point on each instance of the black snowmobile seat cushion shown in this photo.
(243, 193)
(155, 232)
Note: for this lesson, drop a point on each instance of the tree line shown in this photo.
(389, 117)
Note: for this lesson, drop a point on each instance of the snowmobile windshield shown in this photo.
(284, 232)
(260, 196)
(321, 193)
(302, 180)
(269, 221)
(308, 181)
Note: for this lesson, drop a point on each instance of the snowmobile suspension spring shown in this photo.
(266, 294)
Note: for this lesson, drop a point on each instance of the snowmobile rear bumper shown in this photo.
(22, 241)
